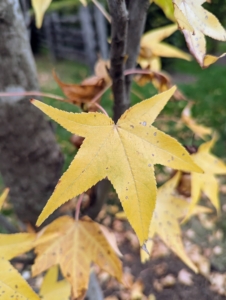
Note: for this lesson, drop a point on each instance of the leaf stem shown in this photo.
(95, 99)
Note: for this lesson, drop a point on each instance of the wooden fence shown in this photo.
(80, 37)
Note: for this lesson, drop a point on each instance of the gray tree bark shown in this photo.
(30, 159)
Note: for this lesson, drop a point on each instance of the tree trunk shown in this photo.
(30, 159)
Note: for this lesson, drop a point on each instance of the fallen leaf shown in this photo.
(168, 281)
(202, 263)
(12, 245)
(12, 284)
(3, 196)
(124, 152)
(184, 277)
(137, 290)
(196, 22)
(74, 245)
(198, 129)
(218, 283)
(52, 289)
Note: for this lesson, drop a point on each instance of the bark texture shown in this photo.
(137, 17)
(30, 159)
(119, 27)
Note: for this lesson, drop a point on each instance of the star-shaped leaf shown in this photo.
(52, 289)
(206, 182)
(12, 284)
(124, 152)
(12, 245)
(3, 196)
(196, 22)
(170, 207)
(151, 48)
(74, 245)
(40, 7)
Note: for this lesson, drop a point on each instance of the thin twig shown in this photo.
(139, 71)
(95, 99)
(101, 108)
(101, 8)
(78, 206)
(34, 93)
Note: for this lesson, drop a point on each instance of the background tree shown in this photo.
(30, 159)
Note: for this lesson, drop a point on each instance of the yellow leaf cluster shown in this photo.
(151, 48)
(170, 207)
(196, 22)
(124, 152)
(206, 182)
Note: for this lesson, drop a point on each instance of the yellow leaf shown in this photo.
(152, 48)
(211, 59)
(206, 182)
(52, 289)
(74, 245)
(195, 22)
(199, 130)
(124, 152)
(167, 7)
(12, 284)
(181, 20)
(40, 7)
(3, 196)
(169, 208)
(12, 245)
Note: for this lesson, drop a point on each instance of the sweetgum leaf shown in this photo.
(124, 152)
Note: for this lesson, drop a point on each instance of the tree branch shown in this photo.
(119, 26)
(137, 16)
